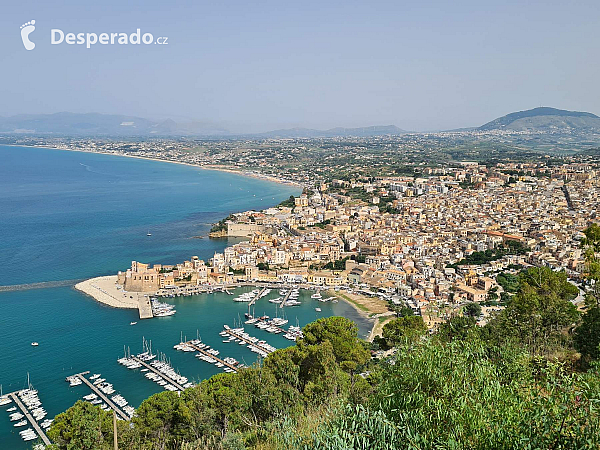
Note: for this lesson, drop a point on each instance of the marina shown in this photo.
(28, 435)
(96, 390)
(228, 364)
(160, 374)
(265, 291)
(95, 332)
(254, 344)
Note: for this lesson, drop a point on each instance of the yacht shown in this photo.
(318, 309)
(34, 344)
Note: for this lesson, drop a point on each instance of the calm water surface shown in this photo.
(69, 215)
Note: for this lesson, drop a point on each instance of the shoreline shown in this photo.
(104, 290)
(226, 169)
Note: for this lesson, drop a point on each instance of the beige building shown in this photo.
(243, 229)
(139, 278)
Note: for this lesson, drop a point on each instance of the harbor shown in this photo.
(254, 344)
(98, 392)
(155, 369)
(21, 399)
(209, 355)
(109, 329)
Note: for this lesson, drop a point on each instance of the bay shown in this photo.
(72, 215)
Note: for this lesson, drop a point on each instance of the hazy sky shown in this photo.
(259, 65)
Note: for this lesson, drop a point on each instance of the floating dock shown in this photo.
(281, 330)
(29, 417)
(102, 395)
(159, 373)
(216, 358)
(247, 341)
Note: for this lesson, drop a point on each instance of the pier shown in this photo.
(247, 341)
(31, 420)
(159, 373)
(216, 358)
(281, 330)
(144, 307)
(257, 297)
(102, 395)
(287, 295)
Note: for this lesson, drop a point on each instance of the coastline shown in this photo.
(366, 312)
(227, 169)
(104, 290)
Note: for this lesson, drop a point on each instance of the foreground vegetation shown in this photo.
(529, 379)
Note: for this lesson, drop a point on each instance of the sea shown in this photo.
(67, 216)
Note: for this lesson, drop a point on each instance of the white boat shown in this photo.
(34, 344)
(318, 309)
(21, 423)
(132, 323)
(316, 296)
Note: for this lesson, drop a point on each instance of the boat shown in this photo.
(318, 309)
(148, 234)
(316, 296)
(5, 400)
(34, 344)
(132, 323)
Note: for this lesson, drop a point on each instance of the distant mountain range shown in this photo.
(544, 119)
(65, 123)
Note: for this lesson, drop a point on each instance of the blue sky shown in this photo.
(254, 66)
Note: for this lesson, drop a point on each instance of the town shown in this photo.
(437, 244)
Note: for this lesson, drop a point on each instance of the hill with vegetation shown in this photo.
(529, 379)
(544, 119)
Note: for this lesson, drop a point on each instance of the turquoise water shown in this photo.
(68, 215)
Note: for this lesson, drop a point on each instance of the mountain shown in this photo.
(378, 130)
(74, 124)
(545, 119)
(66, 123)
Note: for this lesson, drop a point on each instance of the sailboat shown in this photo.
(4, 400)
(148, 234)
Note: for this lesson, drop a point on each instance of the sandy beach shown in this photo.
(197, 166)
(104, 290)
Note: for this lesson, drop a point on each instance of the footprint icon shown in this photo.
(26, 30)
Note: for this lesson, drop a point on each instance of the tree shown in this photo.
(348, 349)
(407, 328)
(472, 309)
(592, 237)
(160, 420)
(587, 335)
(457, 328)
(82, 426)
(539, 311)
